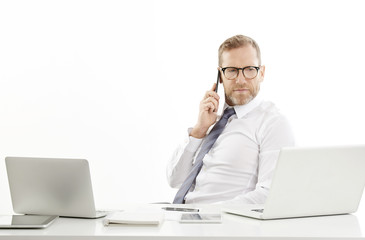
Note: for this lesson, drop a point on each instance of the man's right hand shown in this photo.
(207, 113)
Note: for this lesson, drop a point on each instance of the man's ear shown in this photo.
(262, 73)
(220, 75)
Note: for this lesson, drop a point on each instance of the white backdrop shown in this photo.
(119, 82)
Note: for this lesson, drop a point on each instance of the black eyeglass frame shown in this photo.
(243, 69)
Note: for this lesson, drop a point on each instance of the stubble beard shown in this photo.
(241, 100)
(233, 101)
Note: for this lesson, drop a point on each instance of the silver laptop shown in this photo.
(51, 186)
(312, 182)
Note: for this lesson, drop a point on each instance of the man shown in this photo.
(237, 160)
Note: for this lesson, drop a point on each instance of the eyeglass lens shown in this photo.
(248, 72)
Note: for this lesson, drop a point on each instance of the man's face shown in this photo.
(240, 90)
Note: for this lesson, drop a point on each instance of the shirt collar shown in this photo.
(242, 110)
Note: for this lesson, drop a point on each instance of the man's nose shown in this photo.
(240, 78)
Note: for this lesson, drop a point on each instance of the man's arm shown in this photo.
(276, 135)
(182, 160)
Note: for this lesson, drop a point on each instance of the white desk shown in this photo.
(232, 227)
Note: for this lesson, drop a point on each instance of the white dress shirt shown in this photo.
(239, 167)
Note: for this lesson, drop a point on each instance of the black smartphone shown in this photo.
(218, 80)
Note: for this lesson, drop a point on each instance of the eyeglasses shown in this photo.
(249, 72)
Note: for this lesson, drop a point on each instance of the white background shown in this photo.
(119, 82)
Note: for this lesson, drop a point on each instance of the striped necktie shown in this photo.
(207, 145)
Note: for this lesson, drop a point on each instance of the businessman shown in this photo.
(231, 158)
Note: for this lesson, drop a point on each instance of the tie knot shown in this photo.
(228, 113)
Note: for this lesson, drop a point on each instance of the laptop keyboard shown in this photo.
(258, 210)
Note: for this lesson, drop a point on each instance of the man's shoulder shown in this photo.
(267, 111)
(268, 107)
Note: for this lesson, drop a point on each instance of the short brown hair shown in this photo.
(237, 42)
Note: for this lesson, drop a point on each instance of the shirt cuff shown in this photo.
(192, 143)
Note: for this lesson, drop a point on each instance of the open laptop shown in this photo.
(51, 186)
(312, 182)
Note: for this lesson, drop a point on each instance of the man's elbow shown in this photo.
(173, 183)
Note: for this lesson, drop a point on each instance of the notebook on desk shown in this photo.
(312, 182)
(134, 218)
(51, 186)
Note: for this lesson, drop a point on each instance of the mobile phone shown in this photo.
(181, 209)
(218, 80)
(200, 218)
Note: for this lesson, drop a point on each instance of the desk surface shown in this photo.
(232, 226)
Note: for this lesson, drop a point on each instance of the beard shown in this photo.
(233, 101)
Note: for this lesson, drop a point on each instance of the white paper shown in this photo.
(135, 217)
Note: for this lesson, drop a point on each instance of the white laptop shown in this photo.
(312, 182)
(51, 186)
